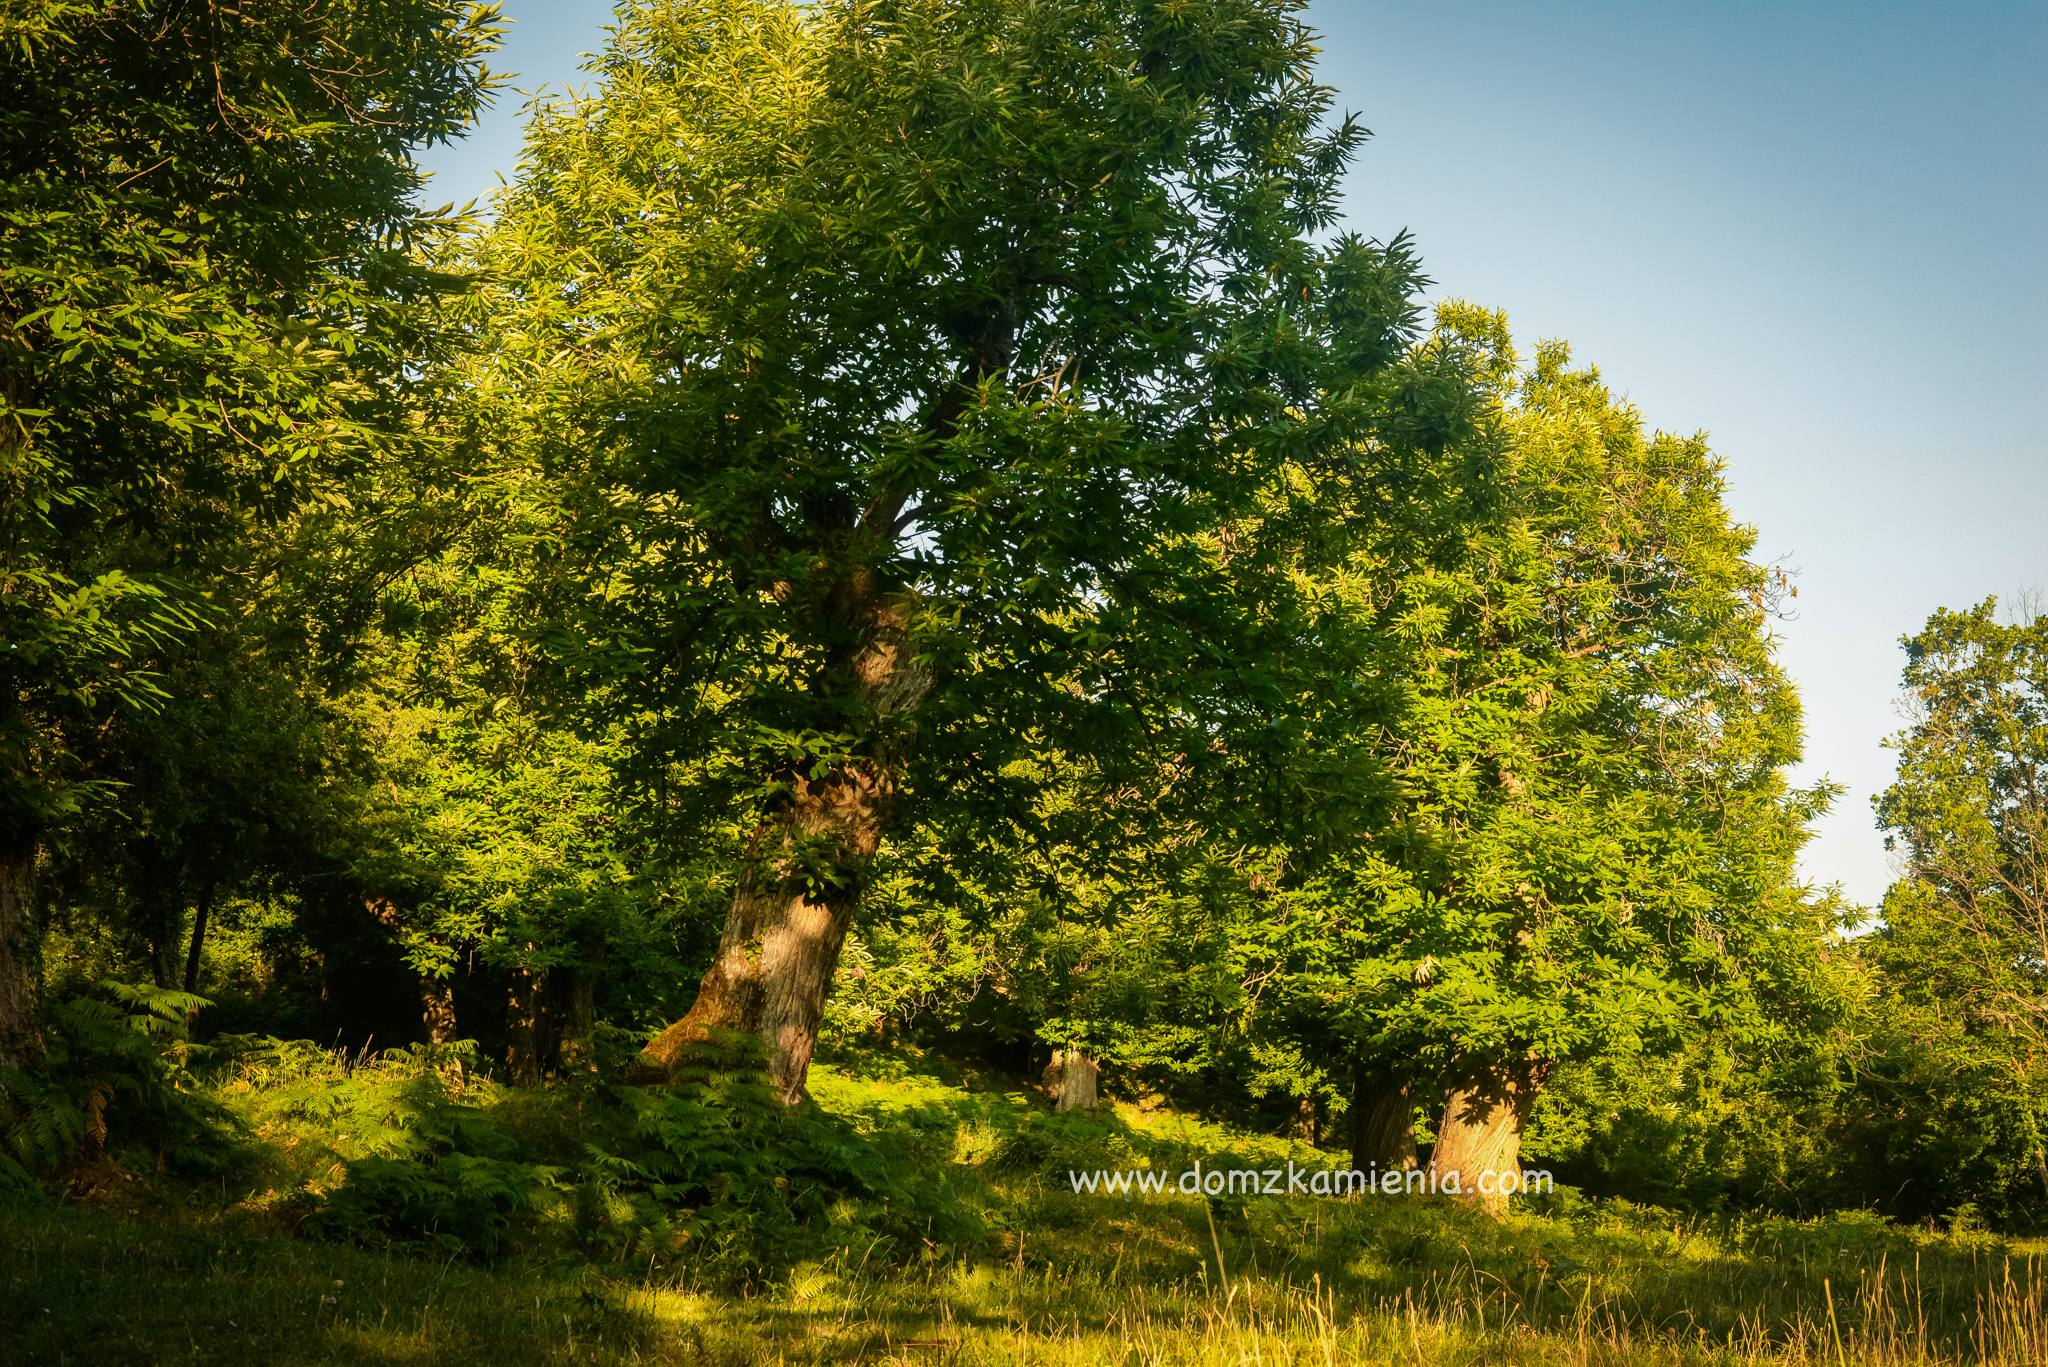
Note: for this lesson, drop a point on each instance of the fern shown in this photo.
(112, 1081)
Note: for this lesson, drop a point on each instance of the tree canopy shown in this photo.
(915, 525)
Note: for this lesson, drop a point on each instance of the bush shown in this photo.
(717, 1174)
(712, 1177)
(111, 1094)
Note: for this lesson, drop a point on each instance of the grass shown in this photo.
(1056, 1278)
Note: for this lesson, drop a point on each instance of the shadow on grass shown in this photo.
(901, 1213)
(1608, 1268)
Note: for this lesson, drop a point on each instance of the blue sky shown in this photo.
(1813, 230)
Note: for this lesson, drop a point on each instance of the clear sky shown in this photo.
(1813, 230)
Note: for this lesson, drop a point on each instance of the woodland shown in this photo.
(645, 770)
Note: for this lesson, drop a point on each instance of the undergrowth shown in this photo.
(111, 1095)
(710, 1179)
(406, 1206)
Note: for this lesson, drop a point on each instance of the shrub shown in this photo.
(111, 1094)
(711, 1177)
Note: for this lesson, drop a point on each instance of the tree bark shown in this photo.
(808, 861)
(522, 1029)
(437, 1009)
(579, 1024)
(202, 912)
(1071, 1077)
(1478, 1150)
(1381, 1124)
(20, 1042)
(163, 924)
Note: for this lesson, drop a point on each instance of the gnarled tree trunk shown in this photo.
(784, 929)
(1381, 1123)
(808, 861)
(1479, 1144)
(1071, 1077)
(19, 1041)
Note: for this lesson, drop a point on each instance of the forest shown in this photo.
(657, 769)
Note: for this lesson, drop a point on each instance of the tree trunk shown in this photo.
(1381, 1123)
(1071, 1077)
(202, 912)
(163, 925)
(437, 1009)
(1478, 1149)
(579, 1023)
(522, 1029)
(20, 1043)
(782, 938)
(808, 862)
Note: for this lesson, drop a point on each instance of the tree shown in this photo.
(919, 354)
(210, 293)
(217, 788)
(1964, 945)
(1592, 853)
(468, 820)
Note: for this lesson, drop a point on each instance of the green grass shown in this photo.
(1053, 1278)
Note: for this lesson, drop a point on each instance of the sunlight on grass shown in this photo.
(1055, 1278)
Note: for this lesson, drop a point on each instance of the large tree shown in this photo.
(1591, 856)
(917, 358)
(209, 291)
(1964, 946)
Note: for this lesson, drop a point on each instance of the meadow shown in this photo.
(1018, 1268)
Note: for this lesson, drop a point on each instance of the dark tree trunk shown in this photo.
(163, 924)
(437, 995)
(1072, 1078)
(1381, 1123)
(1479, 1143)
(579, 1020)
(437, 1009)
(202, 912)
(20, 1042)
(522, 1028)
(807, 864)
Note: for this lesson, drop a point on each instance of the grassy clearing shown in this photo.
(1053, 1277)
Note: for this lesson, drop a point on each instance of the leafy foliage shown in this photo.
(1963, 951)
(112, 1093)
(927, 487)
